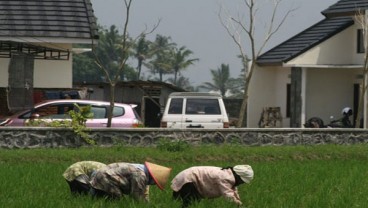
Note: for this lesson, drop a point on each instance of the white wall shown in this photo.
(325, 96)
(267, 89)
(340, 49)
(47, 73)
(53, 74)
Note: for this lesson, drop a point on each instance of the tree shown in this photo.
(141, 52)
(125, 46)
(236, 27)
(221, 80)
(362, 19)
(180, 60)
(108, 53)
(182, 82)
(161, 48)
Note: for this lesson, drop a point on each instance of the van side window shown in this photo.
(202, 106)
(176, 106)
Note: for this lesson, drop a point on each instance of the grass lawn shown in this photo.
(285, 176)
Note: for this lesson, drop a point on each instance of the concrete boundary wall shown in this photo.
(28, 137)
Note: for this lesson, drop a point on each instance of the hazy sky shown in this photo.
(195, 24)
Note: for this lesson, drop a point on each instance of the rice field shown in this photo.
(287, 177)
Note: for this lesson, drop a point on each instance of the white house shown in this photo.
(36, 44)
(317, 72)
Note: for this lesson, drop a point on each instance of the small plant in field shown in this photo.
(172, 145)
(79, 119)
(234, 141)
(77, 122)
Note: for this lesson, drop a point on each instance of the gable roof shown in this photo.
(339, 16)
(346, 8)
(67, 19)
(304, 41)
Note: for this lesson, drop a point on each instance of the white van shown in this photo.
(194, 110)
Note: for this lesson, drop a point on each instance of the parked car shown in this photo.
(124, 115)
(194, 110)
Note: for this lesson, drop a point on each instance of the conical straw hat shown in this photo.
(160, 174)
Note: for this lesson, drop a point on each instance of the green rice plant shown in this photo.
(287, 176)
(172, 145)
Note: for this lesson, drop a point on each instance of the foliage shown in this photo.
(108, 54)
(141, 52)
(79, 119)
(180, 60)
(77, 122)
(160, 56)
(183, 83)
(172, 145)
(160, 62)
(222, 82)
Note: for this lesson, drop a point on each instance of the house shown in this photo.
(317, 72)
(37, 40)
(149, 96)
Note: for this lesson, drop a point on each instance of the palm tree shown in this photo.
(180, 60)
(141, 52)
(110, 54)
(182, 82)
(221, 79)
(161, 48)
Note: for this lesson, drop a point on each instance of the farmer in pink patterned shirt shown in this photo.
(196, 183)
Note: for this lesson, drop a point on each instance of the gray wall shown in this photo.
(27, 137)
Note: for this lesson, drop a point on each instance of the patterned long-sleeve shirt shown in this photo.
(81, 168)
(120, 179)
(211, 182)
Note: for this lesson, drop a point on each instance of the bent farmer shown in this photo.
(118, 179)
(196, 183)
(78, 175)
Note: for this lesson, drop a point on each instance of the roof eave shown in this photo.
(49, 40)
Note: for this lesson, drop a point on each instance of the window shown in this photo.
(202, 106)
(176, 106)
(57, 111)
(118, 111)
(360, 41)
(98, 111)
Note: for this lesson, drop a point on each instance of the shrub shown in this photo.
(77, 122)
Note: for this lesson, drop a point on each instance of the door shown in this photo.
(152, 116)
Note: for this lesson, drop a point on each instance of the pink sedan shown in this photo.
(124, 115)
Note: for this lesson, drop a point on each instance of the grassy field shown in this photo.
(298, 176)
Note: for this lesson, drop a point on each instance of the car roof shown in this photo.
(72, 101)
(195, 94)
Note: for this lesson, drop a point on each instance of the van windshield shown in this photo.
(202, 106)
